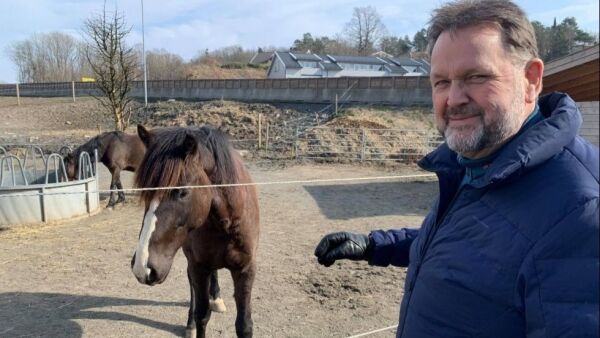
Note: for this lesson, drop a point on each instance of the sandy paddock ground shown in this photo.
(72, 278)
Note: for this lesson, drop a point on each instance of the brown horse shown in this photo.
(217, 227)
(117, 151)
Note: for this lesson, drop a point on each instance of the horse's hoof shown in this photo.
(190, 333)
(217, 305)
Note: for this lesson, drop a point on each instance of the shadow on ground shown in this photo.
(53, 314)
(347, 201)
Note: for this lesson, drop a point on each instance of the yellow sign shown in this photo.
(87, 79)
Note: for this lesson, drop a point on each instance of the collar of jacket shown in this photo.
(534, 146)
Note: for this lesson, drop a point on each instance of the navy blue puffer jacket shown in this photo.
(514, 253)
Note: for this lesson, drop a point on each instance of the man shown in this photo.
(510, 248)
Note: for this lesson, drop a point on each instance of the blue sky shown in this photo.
(186, 27)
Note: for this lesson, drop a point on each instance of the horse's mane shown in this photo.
(97, 142)
(165, 162)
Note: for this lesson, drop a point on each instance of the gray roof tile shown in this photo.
(369, 60)
(261, 57)
(306, 57)
(401, 61)
(288, 60)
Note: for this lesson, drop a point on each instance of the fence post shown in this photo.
(267, 136)
(73, 89)
(18, 96)
(259, 131)
(336, 104)
(363, 143)
(296, 135)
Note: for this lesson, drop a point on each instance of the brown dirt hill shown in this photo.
(215, 71)
(56, 121)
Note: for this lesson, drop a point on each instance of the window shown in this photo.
(308, 64)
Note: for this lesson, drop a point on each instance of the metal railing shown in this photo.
(353, 144)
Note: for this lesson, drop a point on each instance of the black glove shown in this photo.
(343, 245)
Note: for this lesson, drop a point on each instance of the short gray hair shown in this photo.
(517, 32)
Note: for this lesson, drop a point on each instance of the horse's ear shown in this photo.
(144, 134)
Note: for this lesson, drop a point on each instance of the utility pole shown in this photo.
(144, 58)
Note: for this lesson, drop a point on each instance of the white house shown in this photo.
(287, 65)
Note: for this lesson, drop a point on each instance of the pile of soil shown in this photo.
(55, 122)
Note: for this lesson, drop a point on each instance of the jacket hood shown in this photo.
(528, 149)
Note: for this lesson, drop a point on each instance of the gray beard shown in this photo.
(486, 134)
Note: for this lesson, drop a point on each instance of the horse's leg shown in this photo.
(115, 172)
(200, 282)
(190, 328)
(121, 198)
(243, 281)
(216, 302)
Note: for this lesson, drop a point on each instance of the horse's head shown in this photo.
(70, 162)
(174, 157)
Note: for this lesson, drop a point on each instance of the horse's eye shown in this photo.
(182, 193)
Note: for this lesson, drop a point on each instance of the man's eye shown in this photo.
(441, 83)
(477, 78)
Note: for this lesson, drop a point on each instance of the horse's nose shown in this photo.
(152, 277)
(145, 275)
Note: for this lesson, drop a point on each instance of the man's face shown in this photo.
(478, 91)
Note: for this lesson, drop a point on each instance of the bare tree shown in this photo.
(224, 55)
(49, 57)
(113, 63)
(163, 65)
(365, 29)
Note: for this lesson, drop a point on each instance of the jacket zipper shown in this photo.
(424, 250)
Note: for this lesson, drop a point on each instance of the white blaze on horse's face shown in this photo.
(140, 266)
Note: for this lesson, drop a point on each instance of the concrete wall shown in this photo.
(384, 90)
(589, 128)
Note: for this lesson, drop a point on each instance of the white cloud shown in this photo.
(186, 27)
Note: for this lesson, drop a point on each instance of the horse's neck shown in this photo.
(220, 205)
(91, 146)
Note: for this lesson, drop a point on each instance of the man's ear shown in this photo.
(144, 134)
(534, 72)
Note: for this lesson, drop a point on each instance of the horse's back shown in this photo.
(123, 150)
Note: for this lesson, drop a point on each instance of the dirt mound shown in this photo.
(215, 71)
(384, 118)
(237, 119)
(346, 122)
(285, 129)
(381, 134)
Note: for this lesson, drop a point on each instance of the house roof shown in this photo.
(261, 57)
(576, 74)
(288, 60)
(305, 57)
(396, 66)
(382, 54)
(426, 66)
(402, 61)
(369, 60)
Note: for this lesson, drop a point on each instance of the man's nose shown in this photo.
(457, 95)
